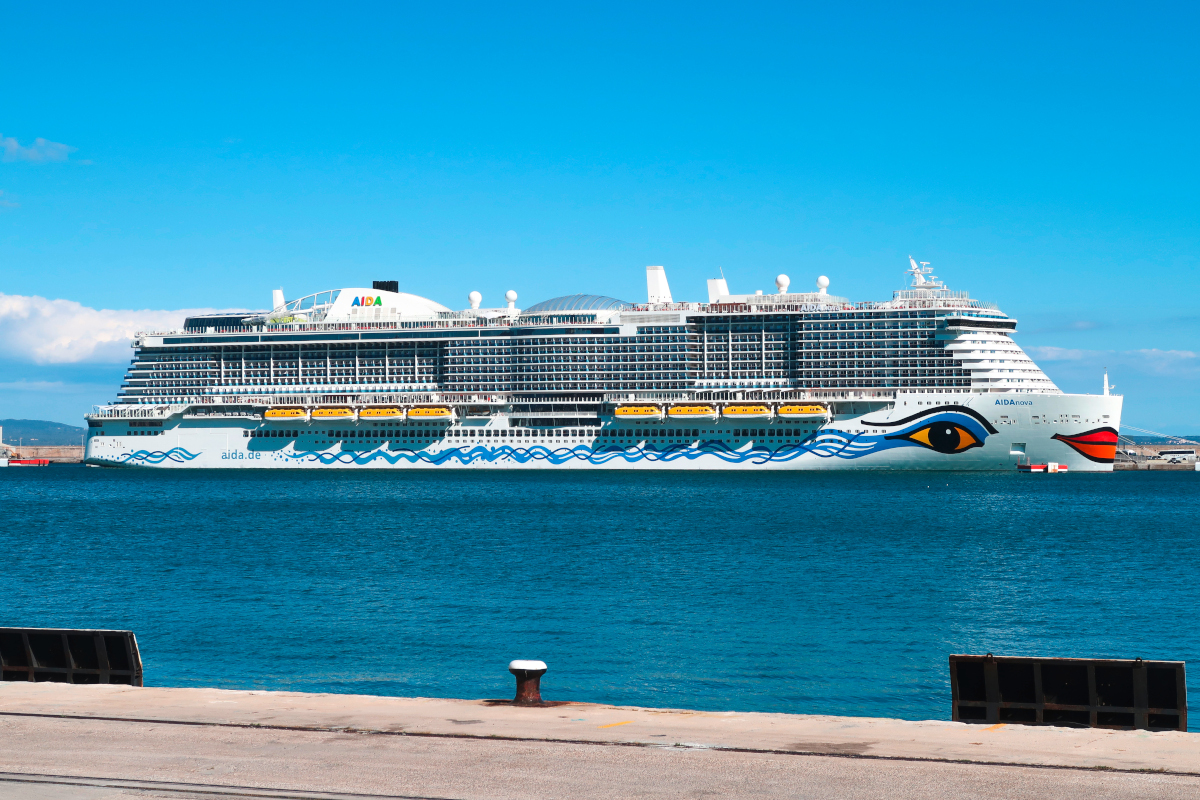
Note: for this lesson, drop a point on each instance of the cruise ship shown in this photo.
(377, 378)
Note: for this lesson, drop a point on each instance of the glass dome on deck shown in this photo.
(577, 302)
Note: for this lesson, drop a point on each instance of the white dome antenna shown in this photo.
(475, 298)
(511, 297)
(782, 282)
(822, 284)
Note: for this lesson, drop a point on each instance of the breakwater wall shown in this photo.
(66, 454)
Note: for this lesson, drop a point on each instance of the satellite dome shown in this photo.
(782, 282)
(476, 298)
(822, 284)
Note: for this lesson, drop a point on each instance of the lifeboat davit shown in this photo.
(638, 412)
(703, 413)
(381, 413)
(746, 411)
(284, 413)
(332, 412)
(796, 411)
(431, 412)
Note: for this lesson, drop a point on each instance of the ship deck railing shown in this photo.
(737, 394)
(759, 304)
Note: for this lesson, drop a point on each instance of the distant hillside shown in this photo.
(39, 433)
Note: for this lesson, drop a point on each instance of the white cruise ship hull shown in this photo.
(966, 431)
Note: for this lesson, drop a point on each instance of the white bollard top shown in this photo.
(527, 665)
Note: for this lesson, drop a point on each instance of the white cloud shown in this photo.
(1163, 362)
(47, 387)
(41, 151)
(1057, 353)
(1169, 362)
(66, 332)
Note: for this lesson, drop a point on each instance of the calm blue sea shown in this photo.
(835, 593)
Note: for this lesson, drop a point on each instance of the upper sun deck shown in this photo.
(353, 309)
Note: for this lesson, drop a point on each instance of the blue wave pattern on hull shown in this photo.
(823, 445)
(176, 454)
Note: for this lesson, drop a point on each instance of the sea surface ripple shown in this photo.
(828, 592)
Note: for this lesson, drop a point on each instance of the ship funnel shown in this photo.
(276, 298)
(656, 285)
(717, 287)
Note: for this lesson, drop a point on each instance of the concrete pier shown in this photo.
(67, 454)
(59, 741)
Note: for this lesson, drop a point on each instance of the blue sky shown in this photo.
(199, 156)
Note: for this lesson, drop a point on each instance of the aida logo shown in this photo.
(367, 301)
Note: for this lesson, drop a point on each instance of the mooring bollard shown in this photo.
(529, 678)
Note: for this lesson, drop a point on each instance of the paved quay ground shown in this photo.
(61, 741)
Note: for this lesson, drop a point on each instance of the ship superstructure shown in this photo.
(380, 378)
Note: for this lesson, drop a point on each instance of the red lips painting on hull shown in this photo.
(1098, 444)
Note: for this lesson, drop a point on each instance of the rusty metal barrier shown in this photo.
(69, 656)
(1073, 692)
